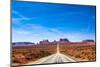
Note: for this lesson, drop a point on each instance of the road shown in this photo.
(54, 58)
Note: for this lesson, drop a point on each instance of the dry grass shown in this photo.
(22, 55)
(82, 51)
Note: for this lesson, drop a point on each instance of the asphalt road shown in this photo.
(57, 58)
(54, 58)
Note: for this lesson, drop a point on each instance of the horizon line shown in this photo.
(54, 40)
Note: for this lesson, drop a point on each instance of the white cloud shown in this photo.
(38, 32)
(35, 33)
(18, 14)
(18, 17)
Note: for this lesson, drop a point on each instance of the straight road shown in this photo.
(54, 58)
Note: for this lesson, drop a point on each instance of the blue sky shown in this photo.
(32, 22)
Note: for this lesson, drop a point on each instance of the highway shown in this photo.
(54, 58)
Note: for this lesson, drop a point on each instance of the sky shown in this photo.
(34, 21)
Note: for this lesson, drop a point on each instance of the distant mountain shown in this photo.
(64, 40)
(22, 43)
(88, 40)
